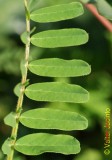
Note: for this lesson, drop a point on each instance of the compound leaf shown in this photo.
(57, 13)
(60, 38)
(57, 92)
(46, 118)
(54, 67)
(36, 144)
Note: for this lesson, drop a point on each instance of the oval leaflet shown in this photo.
(57, 12)
(57, 92)
(60, 38)
(55, 67)
(45, 118)
(36, 144)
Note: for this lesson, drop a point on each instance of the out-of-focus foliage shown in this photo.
(90, 154)
(104, 8)
(98, 53)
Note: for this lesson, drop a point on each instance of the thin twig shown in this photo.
(103, 20)
(23, 81)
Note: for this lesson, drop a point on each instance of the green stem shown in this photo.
(23, 81)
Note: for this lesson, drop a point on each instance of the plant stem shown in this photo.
(23, 81)
(106, 23)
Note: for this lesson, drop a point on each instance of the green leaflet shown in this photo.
(17, 89)
(10, 119)
(35, 144)
(55, 67)
(57, 92)
(57, 13)
(60, 38)
(32, 4)
(46, 118)
(24, 37)
(85, 1)
(104, 9)
(22, 67)
(6, 147)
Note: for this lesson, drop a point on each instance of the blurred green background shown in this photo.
(97, 52)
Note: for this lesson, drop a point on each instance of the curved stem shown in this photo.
(106, 23)
(103, 20)
(23, 81)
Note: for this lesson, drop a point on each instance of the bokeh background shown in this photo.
(97, 52)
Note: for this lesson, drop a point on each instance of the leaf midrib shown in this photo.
(59, 66)
(34, 14)
(67, 92)
(23, 117)
(40, 38)
(44, 145)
